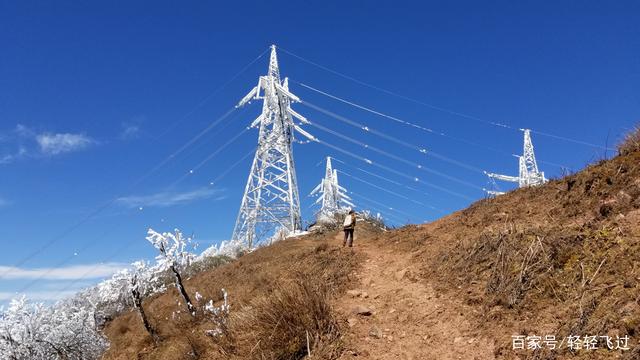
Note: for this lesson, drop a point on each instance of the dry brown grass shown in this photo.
(279, 325)
(631, 142)
(558, 259)
(277, 294)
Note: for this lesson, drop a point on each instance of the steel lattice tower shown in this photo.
(333, 197)
(271, 203)
(528, 173)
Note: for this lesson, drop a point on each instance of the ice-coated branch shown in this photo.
(173, 256)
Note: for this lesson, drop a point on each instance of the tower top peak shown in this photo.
(274, 69)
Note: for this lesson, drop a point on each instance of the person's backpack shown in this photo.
(347, 220)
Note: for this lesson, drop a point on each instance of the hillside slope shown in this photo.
(560, 260)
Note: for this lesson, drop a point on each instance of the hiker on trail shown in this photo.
(349, 226)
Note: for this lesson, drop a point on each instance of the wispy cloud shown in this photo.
(72, 272)
(27, 142)
(4, 202)
(167, 198)
(11, 157)
(129, 131)
(44, 296)
(54, 144)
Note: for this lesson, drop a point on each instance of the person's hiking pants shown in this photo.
(348, 237)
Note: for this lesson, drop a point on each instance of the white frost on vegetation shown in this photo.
(71, 328)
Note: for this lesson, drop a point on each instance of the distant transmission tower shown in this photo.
(333, 197)
(271, 203)
(528, 173)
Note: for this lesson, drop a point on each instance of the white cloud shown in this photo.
(166, 198)
(9, 158)
(44, 296)
(129, 131)
(24, 131)
(72, 272)
(54, 144)
(23, 142)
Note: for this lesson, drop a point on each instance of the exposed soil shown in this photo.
(410, 319)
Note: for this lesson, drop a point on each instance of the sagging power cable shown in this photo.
(391, 170)
(439, 108)
(363, 127)
(110, 202)
(394, 157)
(396, 194)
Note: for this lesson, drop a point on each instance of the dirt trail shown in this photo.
(409, 320)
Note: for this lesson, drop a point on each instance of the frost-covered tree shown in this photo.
(70, 329)
(175, 257)
(64, 331)
(139, 284)
(131, 287)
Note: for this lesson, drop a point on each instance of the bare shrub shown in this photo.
(331, 223)
(206, 263)
(277, 326)
(631, 142)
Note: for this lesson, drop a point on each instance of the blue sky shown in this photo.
(95, 95)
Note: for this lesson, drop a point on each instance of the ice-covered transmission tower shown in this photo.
(528, 173)
(333, 197)
(271, 203)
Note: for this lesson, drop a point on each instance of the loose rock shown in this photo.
(362, 310)
(375, 332)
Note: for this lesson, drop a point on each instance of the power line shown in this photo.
(391, 170)
(364, 127)
(211, 95)
(392, 93)
(571, 140)
(397, 183)
(228, 170)
(88, 272)
(381, 188)
(119, 250)
(438, 108)
(386, 215)
(214, 135)
(395, 157)
(381, 204)
(208, 158)
(385, 179)
(397, 119)
(425, 129)
(107, 204)
(387, 190)
(390, 181)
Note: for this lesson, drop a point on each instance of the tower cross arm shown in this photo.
(317, 188)
(296, 115)
(347, 202)
(250, 96)
(257, 121)
(286, 92)
(253, 94)
(502, 177)
(304, 133)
